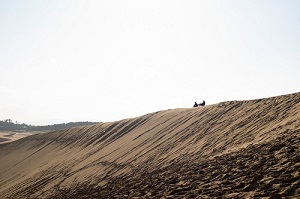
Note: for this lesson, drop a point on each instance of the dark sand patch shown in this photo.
(4, 139)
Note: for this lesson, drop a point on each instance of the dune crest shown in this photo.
(210, 151)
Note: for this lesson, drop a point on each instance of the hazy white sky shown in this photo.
(70, 60)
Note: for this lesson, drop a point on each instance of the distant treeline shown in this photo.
(9, 125)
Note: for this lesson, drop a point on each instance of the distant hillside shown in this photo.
(235, 149)
(9, 125)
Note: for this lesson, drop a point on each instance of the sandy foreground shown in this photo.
(237, 149)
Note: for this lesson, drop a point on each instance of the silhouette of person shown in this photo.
(202, 104)
(195, 105)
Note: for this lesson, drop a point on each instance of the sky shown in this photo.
(97, 60)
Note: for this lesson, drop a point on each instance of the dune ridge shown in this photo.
(211, 151)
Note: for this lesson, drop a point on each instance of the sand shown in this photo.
(236, 149)
(9, 136)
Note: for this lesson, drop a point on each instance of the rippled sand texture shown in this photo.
(8, 136)
(237, 149)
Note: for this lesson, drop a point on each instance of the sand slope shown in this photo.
(231, 149)
(9, 136)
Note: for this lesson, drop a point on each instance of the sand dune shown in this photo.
(236, 149)
(9, 136)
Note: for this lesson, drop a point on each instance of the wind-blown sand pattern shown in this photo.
(237, 149)
(9, 136)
